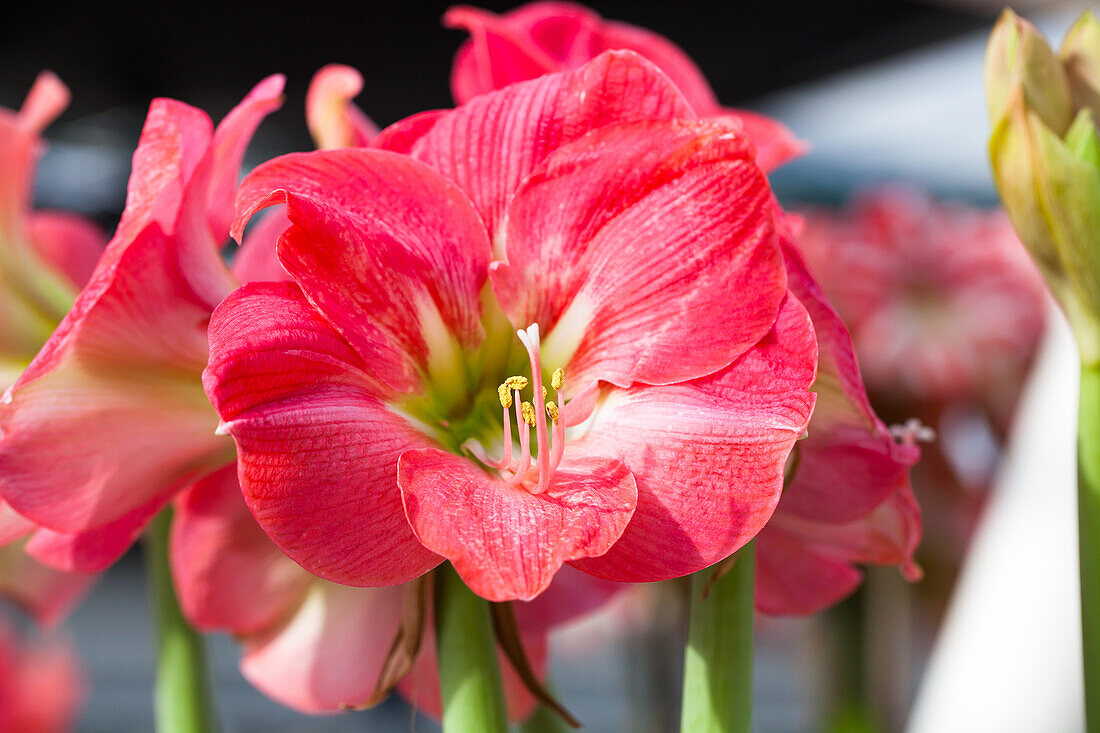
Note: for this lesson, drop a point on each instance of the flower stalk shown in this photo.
(182, 697)
(469, 675)
(718, 659)
(1088, 513)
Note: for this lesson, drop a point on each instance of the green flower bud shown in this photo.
(1081, 58)
(1018, 56)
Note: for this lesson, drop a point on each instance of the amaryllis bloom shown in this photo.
(109, 421)
(383, 402)
(45, 258)
(942, 300)
(848, 500)
(543, 37)
(316, 646)
(40, 685)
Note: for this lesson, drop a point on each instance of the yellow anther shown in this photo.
(544, 392)
(552, 410)
(505, 396)
(516, 382)
(528, 412)
(557, 379)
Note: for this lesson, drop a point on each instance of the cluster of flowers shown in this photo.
(587, 245)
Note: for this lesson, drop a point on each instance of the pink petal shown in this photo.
(256, 260)
(46, 593)
(421, 686)
(403, 134)
(96, 549)
(849, 463)
(791, 580)
(393, 255)
(329, 653)
(708, 455)
(13, 526)
(229, 576)
(70, 244)
(317, 451)
(775, 144)
(594, 243)
(20, 147)
(40, 684)
(504, 541)
(669, 58)
(489, 145)
(334, 120)
(495, 56)
(110, 414)
(572, 594)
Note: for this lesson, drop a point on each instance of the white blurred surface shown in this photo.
(1008, 658)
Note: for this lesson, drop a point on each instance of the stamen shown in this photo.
(517, 383)
(528, 411)
(552, 411)
(557, 379)
(524, 444)
(505, 396)
(559, 432)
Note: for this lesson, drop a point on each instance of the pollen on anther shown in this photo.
(516, 382)
(557, 379)
(528, 411)
(544, 393)
(505, 396)
(552, 410)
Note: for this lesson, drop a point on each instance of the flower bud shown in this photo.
(1019, 57)
(1081, 58)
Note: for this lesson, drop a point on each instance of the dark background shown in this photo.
(120, 56)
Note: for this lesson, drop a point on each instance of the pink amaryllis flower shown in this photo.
(109, 420)
(320, 647)
(543, 37)
(848, 500)
(40, 685)
(375, 399)
(45, 258)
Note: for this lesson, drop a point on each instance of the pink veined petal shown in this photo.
(774, 142)
(421, 686)
(229, 576)
(329, 652)
(46, 593)
(489, 145)
(334, 120)
(68, 243)
(96, 549)
(594, 247)
(669, 58)
(111, 413)
(572, 594)
(708, 455)
(495, 56)
(256, 260)
(792, 580)
(317, 451)
(505, 542)
(849, 463)
(403, 134)
(392, 254)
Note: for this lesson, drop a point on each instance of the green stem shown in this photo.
(718, 660)
(182, 695)
(469, 676)
(1088, 519)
